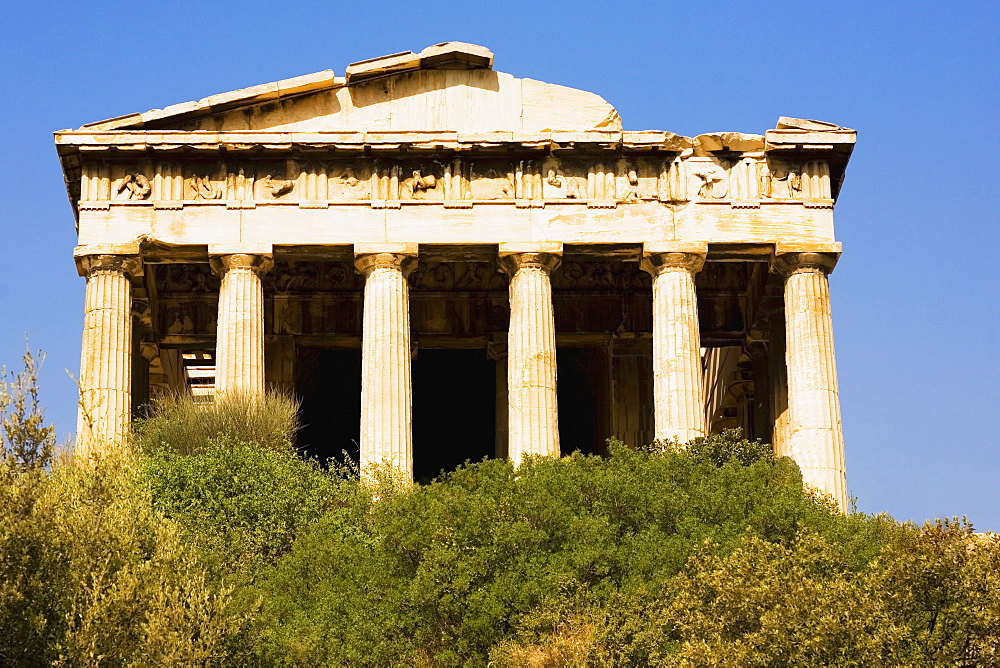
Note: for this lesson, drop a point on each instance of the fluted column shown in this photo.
(814, 437)
(239, 339)
(532, 411)
(386, 391)
(106, 355)
(678, 392)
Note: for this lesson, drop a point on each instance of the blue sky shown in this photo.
(916, 292)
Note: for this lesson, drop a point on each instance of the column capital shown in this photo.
(129, 265)
(795, 263)
(657, 263)
(258, 263)
(509, 264)
(366, 263)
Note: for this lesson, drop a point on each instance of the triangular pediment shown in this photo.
(449, 86)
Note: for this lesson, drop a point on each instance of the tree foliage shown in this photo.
(25, 440)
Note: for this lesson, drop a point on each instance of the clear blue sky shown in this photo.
(915, 295)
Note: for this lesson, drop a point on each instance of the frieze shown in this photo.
(186, 278)
(461, 276)
(742, 181)
(298, 276)
(614, 276)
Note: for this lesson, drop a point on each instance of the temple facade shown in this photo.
(445, 262)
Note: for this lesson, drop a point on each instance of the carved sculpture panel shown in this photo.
(460, 276)
(296, 276)
(707, 178)
(614, 276)
(492, 179)
(675, 178)
(422, 180)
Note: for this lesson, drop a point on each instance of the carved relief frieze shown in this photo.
(185, 278)
(422, 180)
(744, 181)
(615, 276)
(276, 180)
(349, 180)
(638, 179)
(707, 178)
(297, 276)
(780, 180)
(187, 317)
(462, 276)
(130, 182)
(565, 179)
(204, 187)
(492, 180)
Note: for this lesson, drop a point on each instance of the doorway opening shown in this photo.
(329, 384)
(454, 410)
(584, 406)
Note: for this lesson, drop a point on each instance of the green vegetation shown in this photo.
(214, 542)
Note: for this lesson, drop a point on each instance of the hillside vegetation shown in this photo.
(210, 540)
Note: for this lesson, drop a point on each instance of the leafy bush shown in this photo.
(187, 425)
(89, 574)
(214, 543)
(448, 572)
(242, 503)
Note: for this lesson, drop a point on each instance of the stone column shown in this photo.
(386, 392)
(532, 411)
(106, 356)
(239, 338)
(814, 437)
(678, 392)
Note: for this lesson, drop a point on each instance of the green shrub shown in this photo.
(242, 503)
(445, 573)
(217, 544)
(90, 574)
(186, 425)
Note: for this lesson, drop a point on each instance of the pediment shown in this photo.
(449, 87)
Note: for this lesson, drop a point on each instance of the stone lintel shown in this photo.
(129, 248)
(314, 252)
(395, 248)
(832, 247)
(658, 247)
(613, 252)
(458, 252)
(215, 250)
(740, 252)
(516, 247)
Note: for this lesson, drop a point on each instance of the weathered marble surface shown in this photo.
(435, 154)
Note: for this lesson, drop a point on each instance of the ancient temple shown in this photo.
(446, 262)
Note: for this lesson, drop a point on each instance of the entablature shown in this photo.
(599, 169)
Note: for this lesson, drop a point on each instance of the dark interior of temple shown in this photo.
(454, 410)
